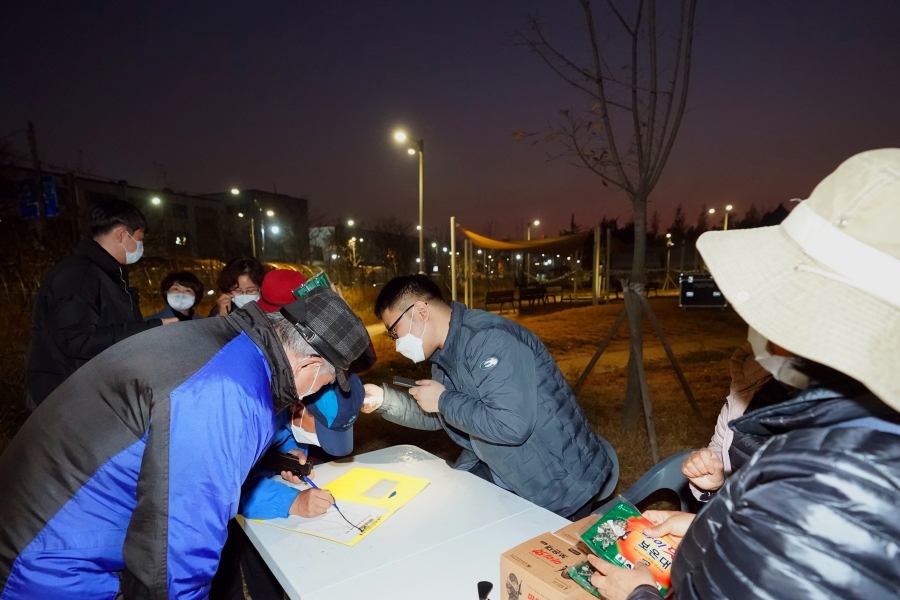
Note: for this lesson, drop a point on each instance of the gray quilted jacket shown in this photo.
(508, 404)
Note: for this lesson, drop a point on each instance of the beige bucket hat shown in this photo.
(825, 283)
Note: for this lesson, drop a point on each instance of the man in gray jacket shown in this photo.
(497, 393)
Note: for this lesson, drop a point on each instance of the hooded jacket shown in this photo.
(508, 405)
(83, 307)
(812, 515)
(124, 479)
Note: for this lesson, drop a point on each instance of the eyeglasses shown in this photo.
(390, 330)
(252, 291)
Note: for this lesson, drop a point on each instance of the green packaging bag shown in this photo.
(618, 537)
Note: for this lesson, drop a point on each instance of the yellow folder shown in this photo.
(368, 496)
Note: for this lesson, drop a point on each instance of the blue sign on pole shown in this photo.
(28, 201)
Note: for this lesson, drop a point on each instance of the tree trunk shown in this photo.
(633, 401)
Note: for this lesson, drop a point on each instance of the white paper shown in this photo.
(331, 525)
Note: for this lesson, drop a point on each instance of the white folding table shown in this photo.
(439, 545)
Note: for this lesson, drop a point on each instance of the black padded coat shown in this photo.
(84, 306)
(812, 515)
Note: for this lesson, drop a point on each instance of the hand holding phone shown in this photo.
(405, 382)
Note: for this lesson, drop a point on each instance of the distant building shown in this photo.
(199, 226)
(281, 236)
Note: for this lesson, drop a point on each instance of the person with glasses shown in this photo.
(497, 393)
(239, 282)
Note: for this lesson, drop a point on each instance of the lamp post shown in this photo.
(262, 226)
(528, 255)
(418, 147)
(669, 244)
(728, 209)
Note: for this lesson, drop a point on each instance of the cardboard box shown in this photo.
(538, 570)
(571, 533)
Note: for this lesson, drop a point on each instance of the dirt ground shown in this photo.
(702, 340)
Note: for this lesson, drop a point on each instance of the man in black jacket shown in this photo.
(813, 513)
(85, 305)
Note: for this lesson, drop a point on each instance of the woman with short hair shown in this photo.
(182, 291)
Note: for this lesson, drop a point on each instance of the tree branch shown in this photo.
(689, 9)
(635, 113)
(601, 97)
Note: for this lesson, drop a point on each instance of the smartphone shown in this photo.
(282, 461)
(404, 382)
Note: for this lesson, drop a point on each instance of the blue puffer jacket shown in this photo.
(508, 404)
(266, 498)
(124, 479)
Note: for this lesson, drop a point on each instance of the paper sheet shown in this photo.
(364, 496)
(331, 525)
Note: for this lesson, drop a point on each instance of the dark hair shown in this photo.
(105, 216)
(405, 288)
(185, 278)
(234, 268)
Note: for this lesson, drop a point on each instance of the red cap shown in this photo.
(278, 289)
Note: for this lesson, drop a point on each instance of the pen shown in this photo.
(310, 482)
(334, 504)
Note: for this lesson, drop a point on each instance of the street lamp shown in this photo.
(728, 209)
(275, 229)
(669, 244)
(155, 200)
(350, 223)
(528, 256)
(235, 191)
(418, 146)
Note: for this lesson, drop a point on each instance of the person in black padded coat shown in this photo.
(812, 514)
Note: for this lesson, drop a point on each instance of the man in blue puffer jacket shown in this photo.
(497, 393)
(122, 482)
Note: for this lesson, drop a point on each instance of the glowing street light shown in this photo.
(728, 209)
(241, 215)
(270, 213)
(418, 147)
(350, 223)
(275, 229)
(235, 191)
(155, 200)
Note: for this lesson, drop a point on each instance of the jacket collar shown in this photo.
(443, 357)
(252, 320)
(103, 259)
(815, 407)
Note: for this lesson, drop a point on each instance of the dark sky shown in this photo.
(203, 96)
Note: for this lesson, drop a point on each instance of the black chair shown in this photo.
(665, 475)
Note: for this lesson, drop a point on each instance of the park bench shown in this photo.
(553, 291)
(501, 297)
(532, 295)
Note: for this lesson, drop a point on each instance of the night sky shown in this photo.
(304, 96)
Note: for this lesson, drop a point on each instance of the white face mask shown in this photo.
(781, 367)
(301, 435)
(241, 299)
(180, 301)
(133, 257)
(411, 346)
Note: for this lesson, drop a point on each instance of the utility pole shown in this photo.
(41, 226)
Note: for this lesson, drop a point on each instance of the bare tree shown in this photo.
(393, 242)
(634, 78)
